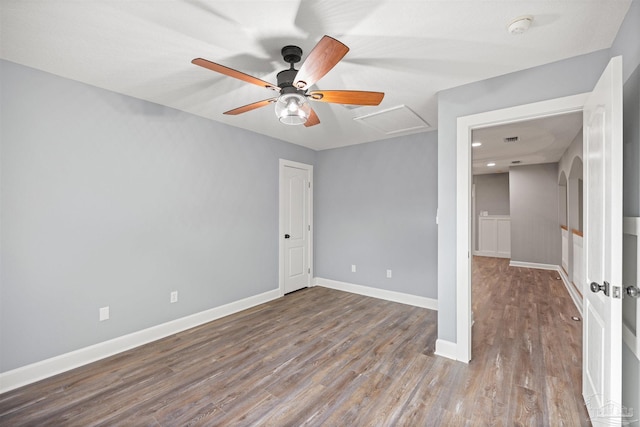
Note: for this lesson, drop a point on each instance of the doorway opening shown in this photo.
(521, 196)
(465, 128)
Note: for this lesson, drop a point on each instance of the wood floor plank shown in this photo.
(326, 357)
(530, 408)
(393, 403)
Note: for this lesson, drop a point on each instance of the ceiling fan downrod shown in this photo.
(291, 55)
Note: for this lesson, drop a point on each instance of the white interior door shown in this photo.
(295, 226)
(602, 330)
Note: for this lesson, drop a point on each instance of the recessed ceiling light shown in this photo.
(491, 164)
(520, 25)
(476, 144)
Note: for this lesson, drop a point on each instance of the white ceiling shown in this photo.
(408, 49)
(542, 140)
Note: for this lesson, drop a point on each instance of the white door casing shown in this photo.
(461, 349)
(602, 330)
(295, 241)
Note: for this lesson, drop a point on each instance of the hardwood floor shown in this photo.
(325, 357)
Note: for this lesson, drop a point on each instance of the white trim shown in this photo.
(463, 242)
(446, 349)
(46, 368)
(465, 126)
(535, 265)
(571, 289)
(368, 291)
(309, 168)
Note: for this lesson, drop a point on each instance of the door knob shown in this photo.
(286, 236)
(595, 288)
(632, 291)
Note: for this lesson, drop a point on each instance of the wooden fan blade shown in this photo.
(250, 107)
(233, 73)
(354, 97)
(312, 120)
(324, 56)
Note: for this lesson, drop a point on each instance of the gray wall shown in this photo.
(563, 78)
(631, 167)
(492, 195)
(110, 200)
(375, 207)
(631, 136)
(535, 226)
(627, 43)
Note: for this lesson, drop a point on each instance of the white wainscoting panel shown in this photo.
(578, 262)
(494, 236)
(565, 249)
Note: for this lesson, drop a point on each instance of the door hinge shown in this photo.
(309, 184)
(309, 227)
(309, 270)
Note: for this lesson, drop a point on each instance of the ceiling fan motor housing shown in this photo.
(286, 78)
(291, 54)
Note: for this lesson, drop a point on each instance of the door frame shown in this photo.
(464, 173)
(281, 206)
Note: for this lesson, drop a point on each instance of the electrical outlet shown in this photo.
(104, 313)
(353, 268)
(174, 297)
(388, 274)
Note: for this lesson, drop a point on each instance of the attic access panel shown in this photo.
(394, 120)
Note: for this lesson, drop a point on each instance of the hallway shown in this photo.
(527, 343)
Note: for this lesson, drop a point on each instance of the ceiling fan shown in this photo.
(292, 106)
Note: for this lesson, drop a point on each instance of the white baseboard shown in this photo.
(573, 293)
(539, 266)
(46, 368)
(446, 349)
(417, 301)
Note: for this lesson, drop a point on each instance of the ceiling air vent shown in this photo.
(511, 139)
